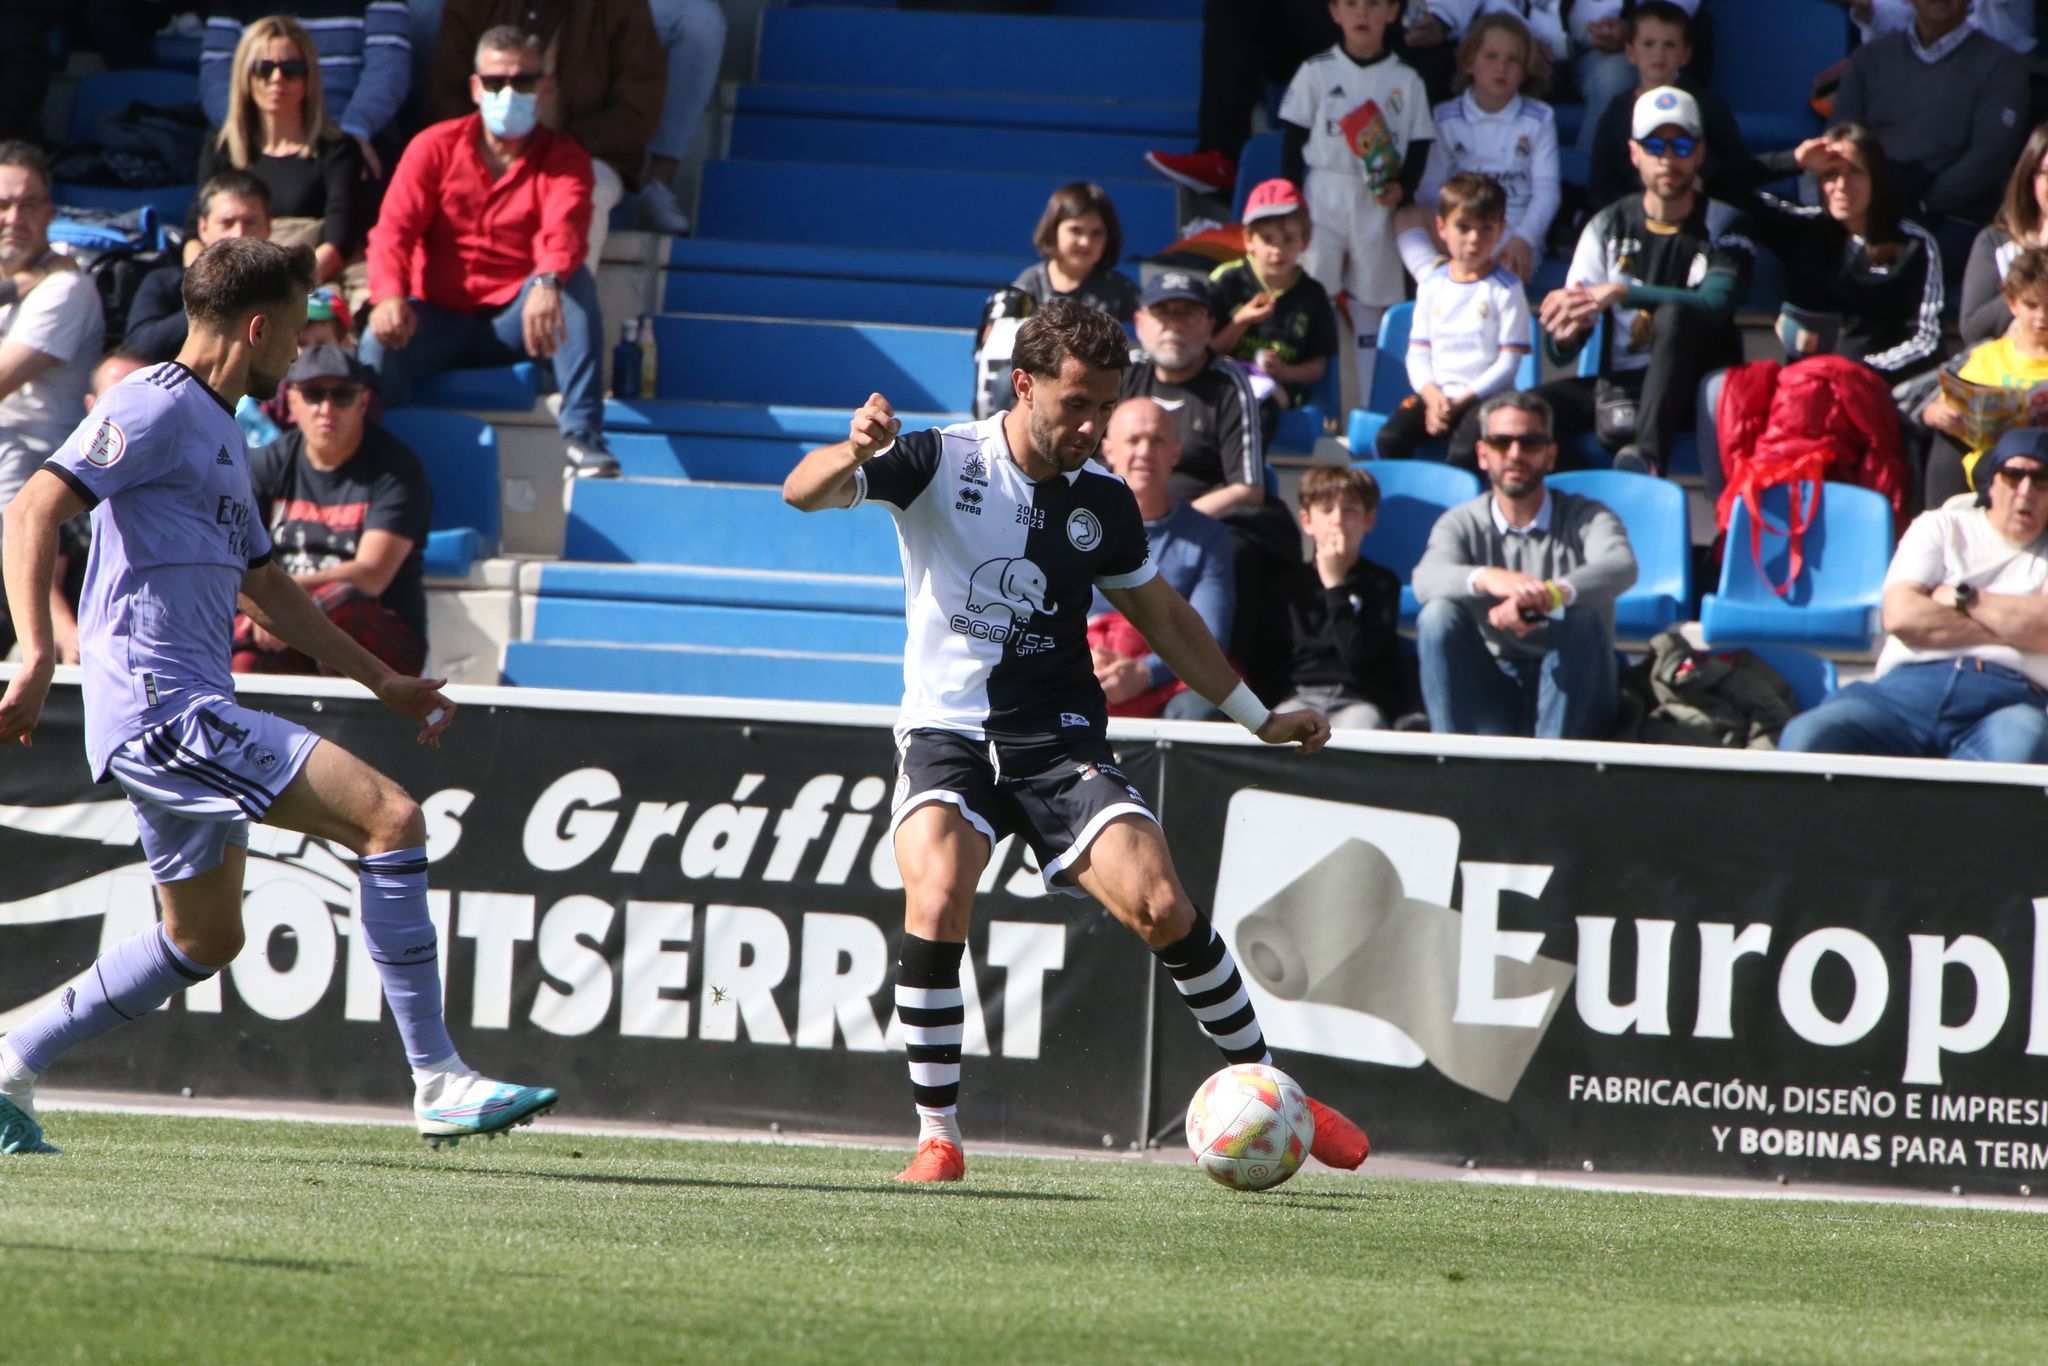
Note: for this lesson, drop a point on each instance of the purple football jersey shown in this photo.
(165, 470)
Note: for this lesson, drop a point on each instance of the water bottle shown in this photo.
(650, 366)
(627, 361)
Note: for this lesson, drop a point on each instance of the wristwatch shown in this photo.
(1965, 595)
(547, 279)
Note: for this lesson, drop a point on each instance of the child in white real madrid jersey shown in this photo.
(1471, 329)
(1357, 127)
(1498, 128)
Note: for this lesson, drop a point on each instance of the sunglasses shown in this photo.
(1669, 147)
(2013, 478)
(292, 69)
(340, 395)
(1528, 441)
(525, 85)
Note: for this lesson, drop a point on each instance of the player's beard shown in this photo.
(263, 385)
(1045, 444)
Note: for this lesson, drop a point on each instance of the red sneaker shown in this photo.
(1203, 172)
(938, 1160)
(1339, 1142)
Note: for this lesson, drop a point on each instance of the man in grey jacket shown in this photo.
(1516, 635)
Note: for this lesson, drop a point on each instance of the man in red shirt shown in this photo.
(478, 253)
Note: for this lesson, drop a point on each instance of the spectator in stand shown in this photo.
(1948, 103)
(2017, 360)
(1193, 553)
(1963, 674)
(365, 63)
(1079, 241)
(1861, 280)
(51, 326)
(1667, 267)
(278, 129)
(348, 506)
(479, 255)
(603, 70)
(1659, 50)
(2011, 22)
(1269, 311)
(327, 324)
(1246, 45)
(1222, 465)
(2022, 222)
(1357, 131)
(230, 204)
(1470, 331)
(1606, 74)
(1516, 635)
(1497, 130)
(1437, 32)
(1344, 615)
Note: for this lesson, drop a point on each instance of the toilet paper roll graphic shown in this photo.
(1346, 933)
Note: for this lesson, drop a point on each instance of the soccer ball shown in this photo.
(1249, 1126)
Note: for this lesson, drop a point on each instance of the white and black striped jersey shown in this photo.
(998, 575)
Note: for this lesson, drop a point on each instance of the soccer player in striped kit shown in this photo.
(176, 537)
(1002, 727)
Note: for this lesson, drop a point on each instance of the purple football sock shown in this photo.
(131, 979)
(401, 940)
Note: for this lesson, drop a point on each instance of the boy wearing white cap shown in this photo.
(1667, 268)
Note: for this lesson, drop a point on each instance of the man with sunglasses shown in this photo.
(1666, 268)
(480, 254)
(1516, 634)
(1964, 669)
(347, 505)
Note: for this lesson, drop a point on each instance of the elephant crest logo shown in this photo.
(1016, 586)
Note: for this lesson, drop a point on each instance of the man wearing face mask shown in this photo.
(479, 255)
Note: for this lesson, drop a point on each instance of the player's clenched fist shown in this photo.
(873, 428)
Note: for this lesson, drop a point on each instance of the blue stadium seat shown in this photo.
(728, 526)
(1834, 603)
(982, 270)
(1775, 77)
(1390, 387)
(980, 52)
(749, 360)
(1172, 120)
(874, 594)
(960, 147)
(708, 459)
(631, 622)
(108, 92)
(1813, 679)
(851, 205)
(487, 388)
(824, 299)
(813, 426)
(1258, 162)
(1413, 495)
(694, 671)
(1653, 512)
(461, 458)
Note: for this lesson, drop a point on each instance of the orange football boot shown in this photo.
(939, 1160)
(1339, 1142)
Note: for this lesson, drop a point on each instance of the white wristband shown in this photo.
(1244, 707)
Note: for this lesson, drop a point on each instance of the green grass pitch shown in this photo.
(192, 1240)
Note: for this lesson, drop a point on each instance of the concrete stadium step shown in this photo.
(983, 270)
(909, 208)
(794, 676)
(763, 421)
(823, 299)
(1142, 59)
(795, 590)
(627, 622)
(964, 147)
(707, 459)
(1173, 118)
(765, 360)
(727, 526)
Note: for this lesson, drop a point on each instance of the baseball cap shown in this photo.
(324, 305)
(2029, 443)
(326, 362)
(1174, 284)
(1667, 104)
(1272, 199)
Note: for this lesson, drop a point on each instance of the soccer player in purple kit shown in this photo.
(163, 468)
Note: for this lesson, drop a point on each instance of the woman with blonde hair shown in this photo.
(279, 130)
(2022, 222)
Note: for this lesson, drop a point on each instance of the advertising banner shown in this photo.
(668, 917)
(1715, 971)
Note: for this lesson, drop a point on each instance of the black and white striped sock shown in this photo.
(1207, 978)
(933, 1015)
